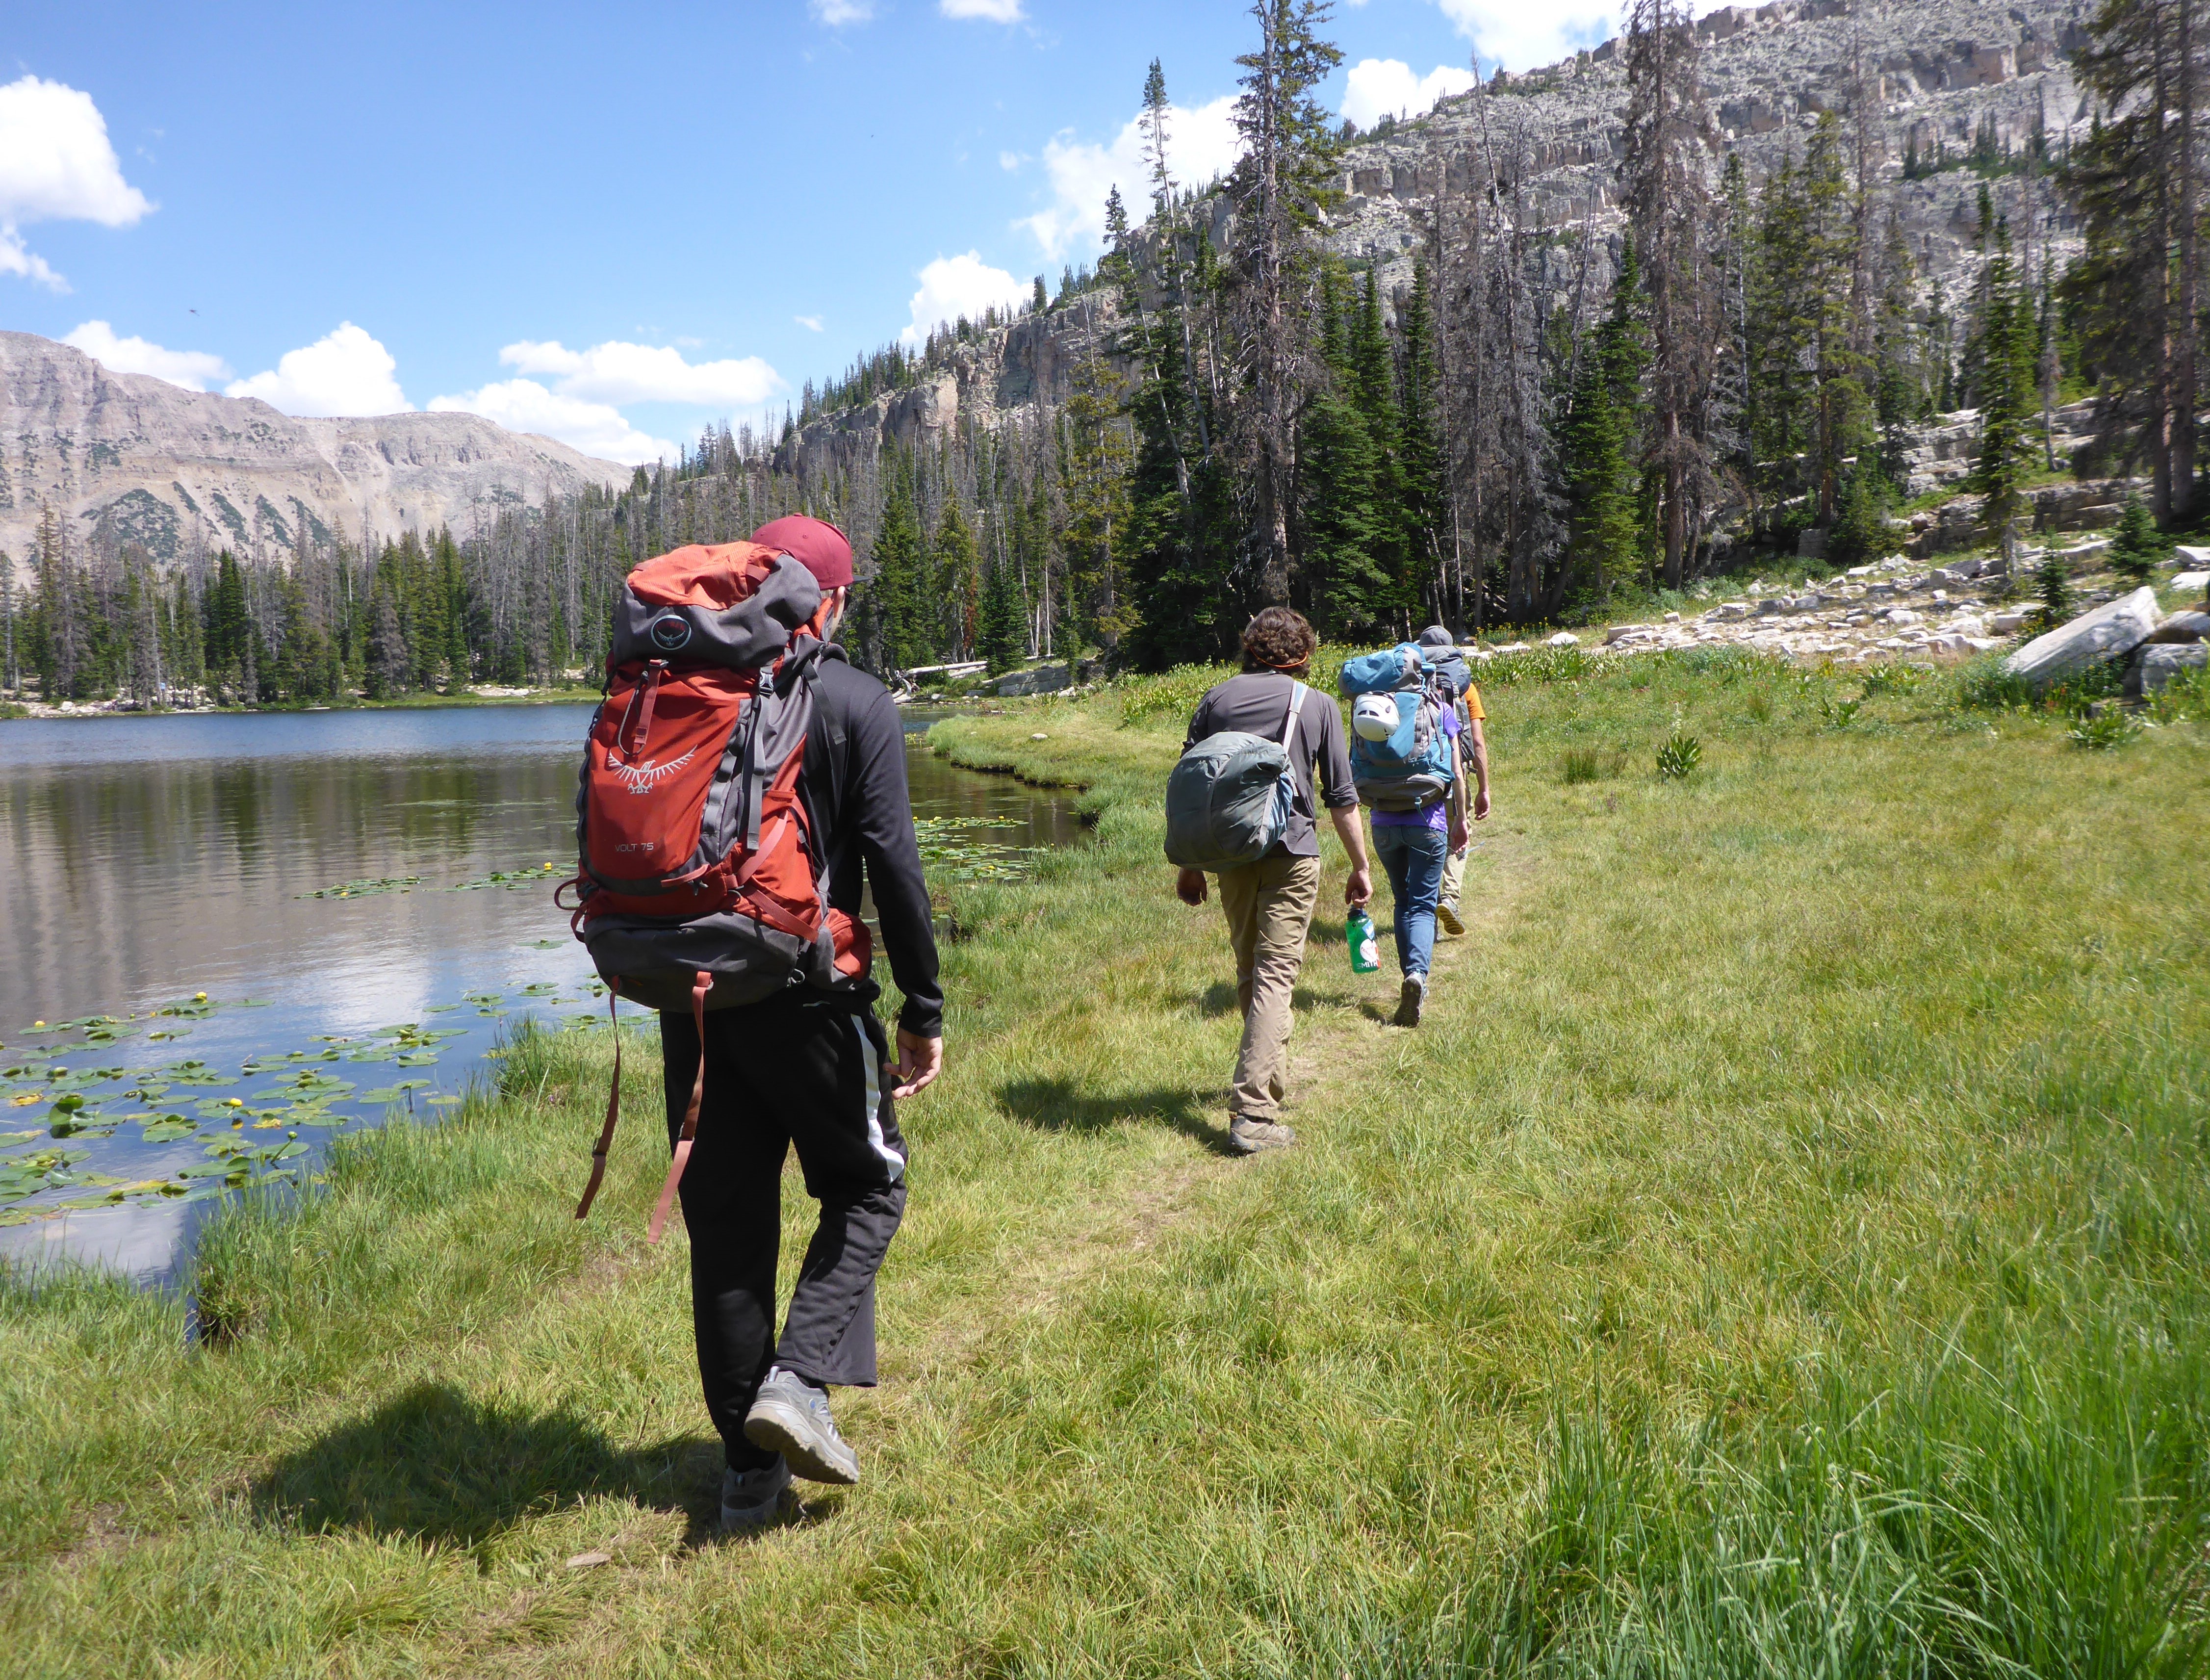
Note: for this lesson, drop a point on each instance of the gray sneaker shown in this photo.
(750, 1498)
(1410, 997)
(1446, 913)
(791, 1416)
(1248, 1137)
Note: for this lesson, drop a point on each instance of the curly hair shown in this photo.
(1279, 638)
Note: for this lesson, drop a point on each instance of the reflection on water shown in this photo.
(146, 859)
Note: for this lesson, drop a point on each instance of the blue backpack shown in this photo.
(1400, 757)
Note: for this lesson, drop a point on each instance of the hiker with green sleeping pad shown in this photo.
(1241, 805)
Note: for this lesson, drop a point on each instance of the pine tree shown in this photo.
(1343, 527)
(1424, 537)
(2005, 332)
(1596, 442)
(895, 586)
(956, 568)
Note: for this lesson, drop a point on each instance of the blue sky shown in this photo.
(613, 225)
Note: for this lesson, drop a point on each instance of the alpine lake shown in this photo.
(237, 936)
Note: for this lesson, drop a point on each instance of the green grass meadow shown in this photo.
(1781, 1251)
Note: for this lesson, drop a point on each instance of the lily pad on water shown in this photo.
(166, 1034)
(320, 1117)
(196, 1073)
(363, 889)
(425, 1059)
(393, 1092)
(376, 1053)
(168, 1129)
(18, 1137)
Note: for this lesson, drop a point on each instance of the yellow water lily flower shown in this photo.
(235, 1101)
(199, 997)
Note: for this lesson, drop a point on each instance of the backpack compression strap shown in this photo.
(701, 984)
(699, 987)
(1297, 693)
(614, 1106)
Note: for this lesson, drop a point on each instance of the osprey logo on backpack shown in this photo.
(671, 632)
(644, 777)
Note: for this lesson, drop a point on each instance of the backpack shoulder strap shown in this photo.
(1297, 693)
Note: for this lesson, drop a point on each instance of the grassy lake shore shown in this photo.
(1781, 1251)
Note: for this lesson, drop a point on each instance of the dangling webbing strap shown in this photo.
(702, 985)
(1297, 693)
(614, 1106)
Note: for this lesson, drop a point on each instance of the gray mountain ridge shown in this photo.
(1934, 71)
(125, 458)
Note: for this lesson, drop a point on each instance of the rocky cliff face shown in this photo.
(1934, 71)
(124, 456)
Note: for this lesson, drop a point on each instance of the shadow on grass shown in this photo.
(439, 1466)
(1219, 998)
(1054, 1105)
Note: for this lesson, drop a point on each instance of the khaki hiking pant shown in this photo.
(1269, 909)
(1454, 876)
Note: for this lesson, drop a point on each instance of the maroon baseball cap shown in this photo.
(815, 544)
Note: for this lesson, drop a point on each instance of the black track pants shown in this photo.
(801, 1070)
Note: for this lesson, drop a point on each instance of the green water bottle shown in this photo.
(1358, 933)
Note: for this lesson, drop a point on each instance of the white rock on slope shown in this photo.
(2110, 632)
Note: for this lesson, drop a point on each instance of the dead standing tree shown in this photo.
(1283, 184)
(1672, 145)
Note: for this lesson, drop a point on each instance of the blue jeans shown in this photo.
(1414, 858)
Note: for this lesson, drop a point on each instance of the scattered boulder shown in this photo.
(2184, 627)
(1044, 679)
(2164, 661)
(2192, 580)
(2184, 555)
(2110, 632)
(1564, 638)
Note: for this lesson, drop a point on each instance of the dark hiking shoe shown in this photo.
(1410, 997)
(1248, 1137)
(791, 1416)
(750, 1498)
(1446, 913)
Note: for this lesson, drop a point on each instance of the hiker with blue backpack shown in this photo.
(1406, 767)
(1241, 805)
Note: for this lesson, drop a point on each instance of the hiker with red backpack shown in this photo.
(739, 776)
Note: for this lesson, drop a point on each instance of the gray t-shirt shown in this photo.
(1257, 703)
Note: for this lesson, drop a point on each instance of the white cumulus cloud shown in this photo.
(597, 428)
(195, 370)
(951, 286)
(990, 11)
(1201, 143)
(837, 12)
(1380, 88)
(55, 165)
(343, 372)
(811, 323)
(618, 373)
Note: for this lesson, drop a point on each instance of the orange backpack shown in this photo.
(700, 882)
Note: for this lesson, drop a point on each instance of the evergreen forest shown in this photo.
(1545, 424)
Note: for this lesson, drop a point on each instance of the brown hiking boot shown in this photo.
(1248, 1137)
